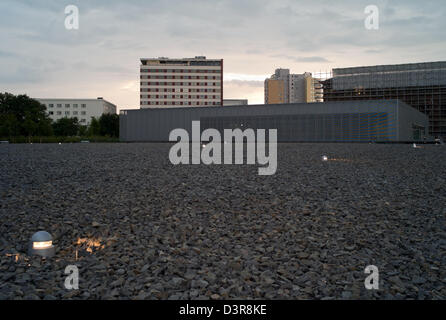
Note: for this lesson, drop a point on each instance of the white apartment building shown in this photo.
(82, 109)
(186, 82)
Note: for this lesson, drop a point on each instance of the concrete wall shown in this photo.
(377, 120)
(408, 117)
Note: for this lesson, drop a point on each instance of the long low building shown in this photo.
(82, 109)
(346, 121)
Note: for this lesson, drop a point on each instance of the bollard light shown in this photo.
(41, 244)
(324, 158)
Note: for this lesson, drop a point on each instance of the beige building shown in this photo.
(314, 91)
(274, 91)
(283, 87)
(186, 82)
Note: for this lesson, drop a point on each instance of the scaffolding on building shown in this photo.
(421, 85)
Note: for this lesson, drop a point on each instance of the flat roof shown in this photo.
(391, 68)
(201, 58)
(70, 99)
(315, 104)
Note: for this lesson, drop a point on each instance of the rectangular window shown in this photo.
(59, 105)
(67, 113)
(59, 113)
(67, 105)
(75, 105)
(74, 112)
(84, 105)
(83, 113)
(51, 105)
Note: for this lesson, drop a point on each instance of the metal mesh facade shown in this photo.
(355, 121)
(380, 126)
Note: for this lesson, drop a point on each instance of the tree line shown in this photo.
(21, 115)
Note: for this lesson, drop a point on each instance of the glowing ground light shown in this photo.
(324, 158)
(41, 244)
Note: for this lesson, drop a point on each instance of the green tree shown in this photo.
(109, 125)
(9, 126)
(82, 130)
(66, 127)
(45, 128)
(21, 115)
(94, 129)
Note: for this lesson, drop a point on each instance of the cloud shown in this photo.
(6, 54)
(249, 83)
(302, 59)
(252, 36)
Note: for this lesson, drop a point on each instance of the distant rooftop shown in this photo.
(391, 76)
(197, 61)
(422, 66)
(197, 58)
(71, 99)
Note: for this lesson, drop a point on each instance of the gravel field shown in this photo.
(139, 227)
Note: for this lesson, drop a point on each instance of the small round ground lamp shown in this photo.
(41, 244)
(324, 158)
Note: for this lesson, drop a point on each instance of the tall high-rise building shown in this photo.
(277, 87)
(185, 82)
(421, 85)
(283, 87)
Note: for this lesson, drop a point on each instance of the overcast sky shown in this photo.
(40, 57)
